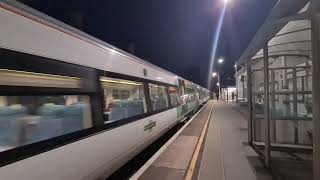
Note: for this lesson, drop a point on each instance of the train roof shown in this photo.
(43, 18)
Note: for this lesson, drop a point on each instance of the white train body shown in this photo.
(102, 150)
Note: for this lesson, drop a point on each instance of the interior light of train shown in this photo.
(130, 83)
(108, 80)
(11, 72)
(23, 78)
(121, 82)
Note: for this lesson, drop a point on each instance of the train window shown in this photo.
(26, 119)
(158, 97)
(174, 96)
(191, 94)
(123, 98)
(29, 119)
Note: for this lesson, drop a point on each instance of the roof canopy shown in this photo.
(283, 38)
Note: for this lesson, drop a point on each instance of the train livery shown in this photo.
(75, 107)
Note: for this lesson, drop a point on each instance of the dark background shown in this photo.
(176, 35)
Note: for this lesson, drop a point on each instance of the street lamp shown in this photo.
(226, 1)
(220, 61)
(236, 79)
(215, 74)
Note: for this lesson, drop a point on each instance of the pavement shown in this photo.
(224, 152)
(226, 155)
(173, 162)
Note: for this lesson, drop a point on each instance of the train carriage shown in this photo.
(74, 107)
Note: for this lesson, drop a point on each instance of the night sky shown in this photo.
(176, 35)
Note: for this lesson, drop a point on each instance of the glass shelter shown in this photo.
(281, 70)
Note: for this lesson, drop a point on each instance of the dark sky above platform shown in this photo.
(176, 35)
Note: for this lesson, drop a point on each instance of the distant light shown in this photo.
(235, 66)
(176, 77)
(226, 1)
(159, 78)
(218, 84)
(220, 61)
(214, 74)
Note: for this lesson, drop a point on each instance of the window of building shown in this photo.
(174, 96)
(158, 97)
(123, 99)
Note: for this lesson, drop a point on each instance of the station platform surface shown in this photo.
(211, 146)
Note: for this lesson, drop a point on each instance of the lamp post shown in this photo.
(236, 80)
(215, 74)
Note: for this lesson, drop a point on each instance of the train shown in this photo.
(73, 107)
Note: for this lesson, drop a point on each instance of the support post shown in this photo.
(273, 106)
(295, 105)
(249, 93)
(236, 80)
(220, 95)
(227, 95)
(266, 105)
(315, 36)
(243, 92)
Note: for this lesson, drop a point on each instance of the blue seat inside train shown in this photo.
(9, 124)
(50, 122)
(56, 120)
(159, 103)
(73, 118)
(126, 108)
(134, 107)
(117, 112)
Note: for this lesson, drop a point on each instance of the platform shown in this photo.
(211, 146)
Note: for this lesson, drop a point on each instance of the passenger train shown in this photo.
(74, 107)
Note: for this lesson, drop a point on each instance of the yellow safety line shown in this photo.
(221, 156)
(198, 147)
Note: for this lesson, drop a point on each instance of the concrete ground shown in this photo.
(174, 161)
(225, 153)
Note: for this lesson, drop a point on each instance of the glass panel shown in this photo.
(281, 106)
(28, 119)
(258, 115)
(123, 99)
(190, 94)
(174, 97)
(158, 96)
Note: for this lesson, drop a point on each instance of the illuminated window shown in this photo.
(26, 119)
(123, 98)
(158, 97)
(174, 96)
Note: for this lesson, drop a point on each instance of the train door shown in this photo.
(183, 108)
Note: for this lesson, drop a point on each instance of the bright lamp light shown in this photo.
(218, 84)
(220, 61)
(226, 1)
(214, 74)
